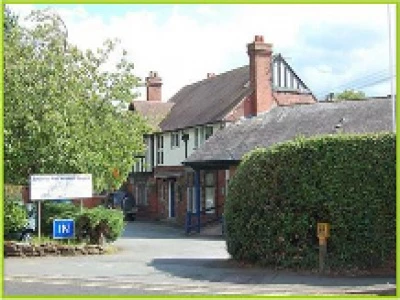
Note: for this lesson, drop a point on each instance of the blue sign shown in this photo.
(63, 229)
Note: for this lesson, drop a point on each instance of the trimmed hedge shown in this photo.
(278, 195)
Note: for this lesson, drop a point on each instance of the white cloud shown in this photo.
(183, 45)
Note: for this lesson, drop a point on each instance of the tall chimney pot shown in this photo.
(153, 86)
(260, 56)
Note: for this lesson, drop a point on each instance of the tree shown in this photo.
(58, 111)
(10, 20)
(15, 216)
(350, 95)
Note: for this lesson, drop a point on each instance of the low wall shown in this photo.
(17, 249)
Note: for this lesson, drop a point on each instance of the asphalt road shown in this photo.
(159, 260)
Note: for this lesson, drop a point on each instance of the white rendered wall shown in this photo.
(176, 155)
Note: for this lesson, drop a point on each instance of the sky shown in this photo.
(330, 47)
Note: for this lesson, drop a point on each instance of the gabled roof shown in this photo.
(152, 111)
(210, 100)
(207, 101)
(285, 123)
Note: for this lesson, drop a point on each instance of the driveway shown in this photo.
(159, 259)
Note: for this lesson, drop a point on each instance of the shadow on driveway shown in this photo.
(160, 230)
(227, 270)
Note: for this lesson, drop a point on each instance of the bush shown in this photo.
(91, 225)
(56, 210)
(98, 223)
(15, 216)
(278, 195)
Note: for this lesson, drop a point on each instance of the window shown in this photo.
(210, 193)
(141, 194)
(191, 199)
(160, 149)
(175, 139)
(191, 193)
(201, 135)
(208, 131)
(196, 137)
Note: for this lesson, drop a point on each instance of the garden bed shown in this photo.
(18, 249)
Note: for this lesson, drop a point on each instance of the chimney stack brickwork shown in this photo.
(153, 85)
(260, 56)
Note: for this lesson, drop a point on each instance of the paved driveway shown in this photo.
(159, 259)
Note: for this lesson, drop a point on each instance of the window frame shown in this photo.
(160, 149)
(175, 139)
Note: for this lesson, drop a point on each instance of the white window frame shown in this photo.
(209, 181)
(191, 199)
(175, 139)
(160, 149)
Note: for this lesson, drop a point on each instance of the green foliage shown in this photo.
(58, 111)
(10, 20)
(90, 224)
(94, 224)
(278, 195)
(350, 95)
(15, 216)
(55, 210)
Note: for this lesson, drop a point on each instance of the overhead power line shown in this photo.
(363, 82)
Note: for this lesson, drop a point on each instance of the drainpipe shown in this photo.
(185, 138)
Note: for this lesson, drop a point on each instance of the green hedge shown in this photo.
(278, 195)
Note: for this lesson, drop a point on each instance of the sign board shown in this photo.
(63, 229)
(60, 186)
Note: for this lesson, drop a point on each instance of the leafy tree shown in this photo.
(350, 95)
(15, 216)
(58, 111)
(10, 20)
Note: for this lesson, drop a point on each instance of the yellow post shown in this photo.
(323, 234)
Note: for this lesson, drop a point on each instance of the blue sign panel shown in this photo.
(63, 229)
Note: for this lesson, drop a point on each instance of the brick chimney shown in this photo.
(260, 56)
(153, 84)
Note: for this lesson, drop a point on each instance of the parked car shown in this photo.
(124, 201)
(25, 233)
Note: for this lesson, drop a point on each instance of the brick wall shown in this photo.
(290, 98)
(260, 58)
(153, 83)
(238, 111)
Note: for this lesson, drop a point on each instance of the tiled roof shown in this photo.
(153, 111)
(287, 122)
(207, 101)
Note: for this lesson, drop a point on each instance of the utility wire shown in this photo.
(359, 83)
(362, 80)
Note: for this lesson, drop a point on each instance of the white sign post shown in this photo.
(59, 187)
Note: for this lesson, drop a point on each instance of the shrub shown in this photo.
(96, 223)
(15, 216)
(278, 195)
(56, 210)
